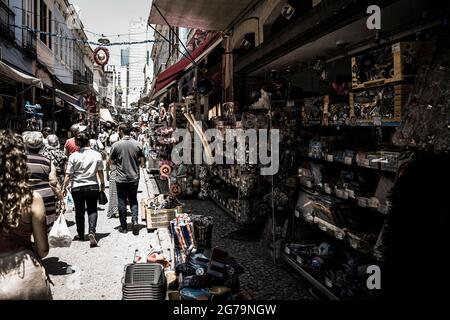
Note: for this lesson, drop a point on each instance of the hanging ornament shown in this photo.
(101, 56)
(165, 170)
(320, 67)
(175, 189)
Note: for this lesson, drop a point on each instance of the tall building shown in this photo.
(139, 60)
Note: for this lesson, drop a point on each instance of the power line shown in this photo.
(51, 34)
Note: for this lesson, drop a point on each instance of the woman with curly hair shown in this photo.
(22, 215)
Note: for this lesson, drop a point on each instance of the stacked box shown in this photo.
(337, 111)
(398, 62)
(312, 111)
(379, 105)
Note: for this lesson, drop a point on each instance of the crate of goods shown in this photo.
(337, 111)
(161, 218)
(380, 105)
(312, 111)
(398, 62)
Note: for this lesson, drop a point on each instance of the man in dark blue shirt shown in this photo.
(127, 155)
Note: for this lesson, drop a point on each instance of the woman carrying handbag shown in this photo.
(22, 215)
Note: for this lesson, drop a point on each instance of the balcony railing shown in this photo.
(6, 22)
(29, 42)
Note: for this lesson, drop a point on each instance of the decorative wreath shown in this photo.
(165, 170)
(101, 56)
(175, 189)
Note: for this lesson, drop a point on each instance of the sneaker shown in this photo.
(122, 230)
(135, 229)
(92, 240)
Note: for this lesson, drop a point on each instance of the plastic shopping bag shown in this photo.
(60, 236)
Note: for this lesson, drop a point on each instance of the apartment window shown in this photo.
(43, 21)
(50, 29)
(61, 43)
(66, 49)
(35, 25)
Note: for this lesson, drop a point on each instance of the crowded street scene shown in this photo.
(224, 151)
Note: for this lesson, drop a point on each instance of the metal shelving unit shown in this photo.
(317, 284)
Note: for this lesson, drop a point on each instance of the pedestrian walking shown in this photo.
(46, 132)
(22, 216)
(127, 155)
(103, 137)
(114, 137)
(83, 173)
(113, 205)
(43, 177)
(71, 147)
(54, 153)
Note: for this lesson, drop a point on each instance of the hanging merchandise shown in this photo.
(320, 67)
(165, 170)
(101, 56)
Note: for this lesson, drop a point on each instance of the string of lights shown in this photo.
(111, 44)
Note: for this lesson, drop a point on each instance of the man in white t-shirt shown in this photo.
(83, 173)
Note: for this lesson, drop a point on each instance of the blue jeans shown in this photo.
(85, 198)
(128, 191)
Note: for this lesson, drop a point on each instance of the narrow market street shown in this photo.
(223, 151)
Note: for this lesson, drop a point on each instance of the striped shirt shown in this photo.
(40, 168)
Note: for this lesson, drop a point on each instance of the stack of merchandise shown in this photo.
(182, 230)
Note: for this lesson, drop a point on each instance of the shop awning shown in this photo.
(169, 77)
(216, 15)
(71, 100)
(19, 76)
(105, 115)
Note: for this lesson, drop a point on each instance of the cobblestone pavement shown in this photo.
(262, 280)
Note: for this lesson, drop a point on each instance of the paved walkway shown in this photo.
(82, 273)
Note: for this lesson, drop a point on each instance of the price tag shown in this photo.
(290, 103)
(299, 260)
(287, 250)
(330, 158)
(328, 282)
(297, 214)
(349, 161)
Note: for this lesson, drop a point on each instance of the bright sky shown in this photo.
(111, 17)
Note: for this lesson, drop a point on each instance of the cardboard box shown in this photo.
(375, 106)
(398, 62)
